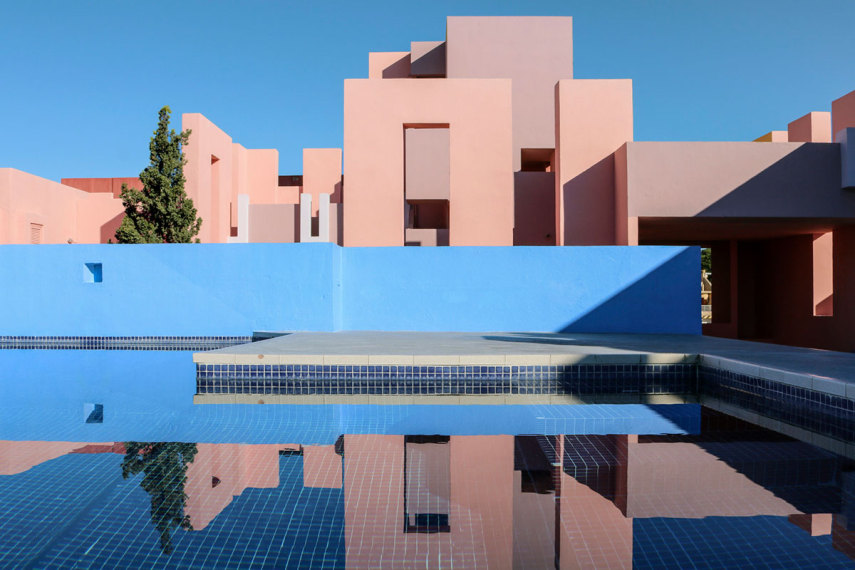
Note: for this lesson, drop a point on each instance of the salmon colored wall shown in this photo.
(389, 65)
(594, 533)
(842, 113)
(534, 208)
(534, 52)
(214, 186)
(626, 226)
(426, 168)
(321, 467)
(479, 114)
(261, 178)
(594, 118)
(112, 185)
(736, 180)
(209, 185)
(237, 467)
(534, 527)
(684, 480)
(813, 127)
(773, 136)
(274, 223)
(481, 534)
(322, 174)
(19, 456)
(98, 218)
(777, 295)
(482, 476)
(64, 212)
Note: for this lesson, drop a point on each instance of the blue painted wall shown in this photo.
(216, 289)
(234, 289)
(570, 289)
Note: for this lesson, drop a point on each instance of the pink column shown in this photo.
(842, 113)
(593, 120)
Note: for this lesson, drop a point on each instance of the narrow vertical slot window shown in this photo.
(823, 275)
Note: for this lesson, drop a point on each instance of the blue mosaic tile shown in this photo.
(160, 343)
(474, 380)
(809, 409)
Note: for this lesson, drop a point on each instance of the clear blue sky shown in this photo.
(81, 81)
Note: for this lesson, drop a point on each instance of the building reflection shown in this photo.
(559, 501)
(221, 472)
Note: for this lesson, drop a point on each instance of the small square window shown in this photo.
(93, 413)
(92, 273)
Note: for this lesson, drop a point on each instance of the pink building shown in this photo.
(487, 139)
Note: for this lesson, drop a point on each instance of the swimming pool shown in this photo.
(106, 462)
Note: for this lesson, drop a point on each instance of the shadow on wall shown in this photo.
(629, 308)
(780, 189)
(590, 195)
(108, 230)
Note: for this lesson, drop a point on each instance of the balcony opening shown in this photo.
(536, 159)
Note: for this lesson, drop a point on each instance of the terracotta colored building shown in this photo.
(487, 139)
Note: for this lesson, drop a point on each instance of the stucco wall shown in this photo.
(219, 289)
(735, 180)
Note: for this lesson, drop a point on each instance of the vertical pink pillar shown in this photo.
(482, 476)
(209, 176)
(593, 120)
(626, 226)
(823, 274)
(842, 113)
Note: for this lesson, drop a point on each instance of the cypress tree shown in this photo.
(161, 212)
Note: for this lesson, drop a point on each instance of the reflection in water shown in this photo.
(392, 501)
(165, 468)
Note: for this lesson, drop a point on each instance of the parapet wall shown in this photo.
(220, 289)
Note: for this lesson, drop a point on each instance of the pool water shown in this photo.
(106, 463)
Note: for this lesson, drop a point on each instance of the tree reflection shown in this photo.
(165, 468)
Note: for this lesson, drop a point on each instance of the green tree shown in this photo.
(706, 259)
(161, 212)
(165, 468)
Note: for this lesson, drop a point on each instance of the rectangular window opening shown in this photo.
(823, 274)
(427, 484)
(536, 159)
(427, 184)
